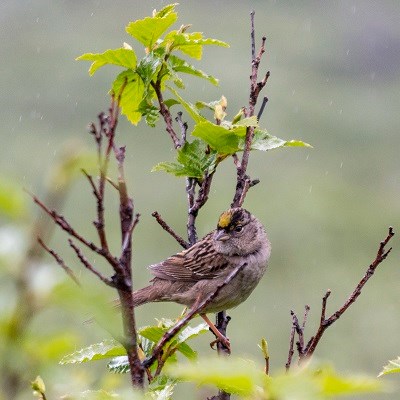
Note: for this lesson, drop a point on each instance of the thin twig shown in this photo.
(306, 351)
(60, 262)
(184, 128)
(192, 312)
(242, 179)
(264, 103)
(128, 234)
(164, 111)
(291, 346)
(65, 225)
(89, 266)
(168, 229)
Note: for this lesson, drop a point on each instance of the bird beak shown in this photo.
(221, 235)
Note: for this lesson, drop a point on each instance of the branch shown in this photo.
(242, 179)
(168, 229)
(184, 128)
(164, 111)
(60, 262)
(65, 225)
(185, 320)
(195, 204)
(89, 266)
(306, 351)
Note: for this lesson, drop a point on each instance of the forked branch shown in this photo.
(305, 351)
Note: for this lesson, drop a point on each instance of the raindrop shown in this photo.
(308, 156)
(353, 9)
(92, 14)
(293, 92)
(340, 111)
(341, 164)
(326, 173)
(20, 118)
(331, 102)
(347, 52)
(310, 190)
(37, 19)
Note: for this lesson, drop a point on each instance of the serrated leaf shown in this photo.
(161, 388)
(122, 57)
(190, 108)
(191, 332)
(97, 351)
(264, 141)
(149, 66)
(393, 367)
(249, 121)
(224, 141)
(165, 10)
(148, 30)
(150, 112)
(130, 86)
(119, 365)
(190, 44)
(192, 161)
(155, 333)
(234, 375)
(179, 65)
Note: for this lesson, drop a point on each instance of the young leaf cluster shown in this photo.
(141, 89)
(136, 84)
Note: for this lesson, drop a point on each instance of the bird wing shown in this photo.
(200, 261)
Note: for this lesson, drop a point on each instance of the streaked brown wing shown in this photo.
(201, 261)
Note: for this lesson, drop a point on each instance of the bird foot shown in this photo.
(224, 341)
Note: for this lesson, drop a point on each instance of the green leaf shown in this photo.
(264, 141)
(234, 375)
(150, 112)
(192, 161)
(392, 368)
(249, 121)
(190, 108)
(131, 88)
(179, 65)
(103, 395)
(97, 351)
(318, 384)
(224, 141)
(161, 388)
(149, 66)
(119, 365)
(122, 57)
(334, 384)
(148, 30)
(190, 44)
(155, 333)
(12, 199)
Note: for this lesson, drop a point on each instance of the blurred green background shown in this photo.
(334, 83)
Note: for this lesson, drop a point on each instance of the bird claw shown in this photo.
(224, 341)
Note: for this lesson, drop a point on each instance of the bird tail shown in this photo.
(145, 295)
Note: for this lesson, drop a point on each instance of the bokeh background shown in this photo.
(334, 83)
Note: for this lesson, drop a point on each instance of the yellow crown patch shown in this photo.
(225, 219)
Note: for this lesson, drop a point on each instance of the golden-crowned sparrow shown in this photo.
(191, 275)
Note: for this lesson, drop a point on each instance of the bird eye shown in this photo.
(238, 228)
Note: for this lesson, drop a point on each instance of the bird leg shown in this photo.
(220, 337)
